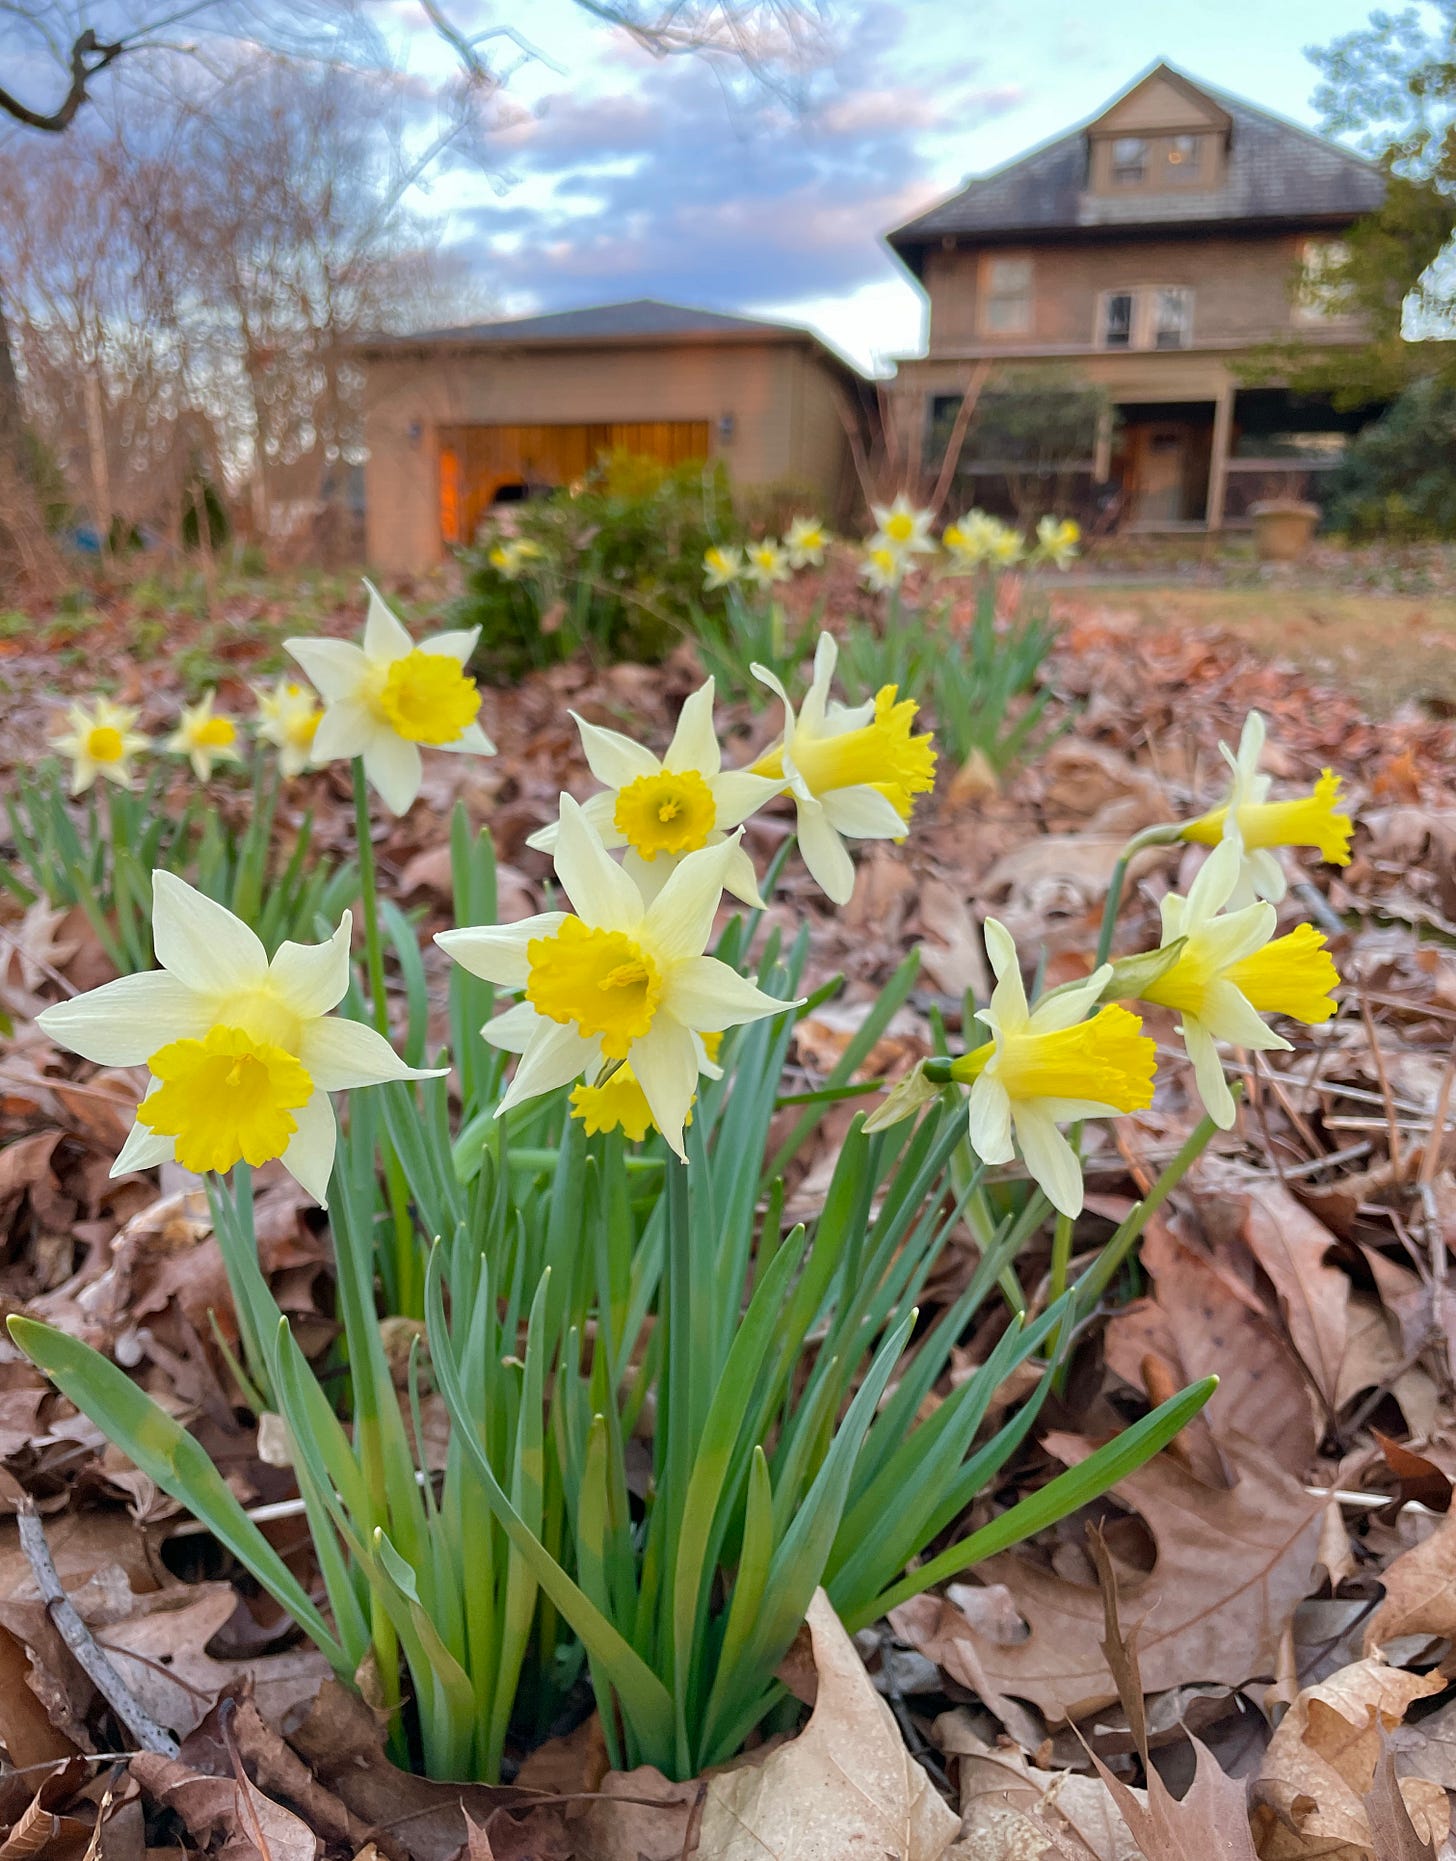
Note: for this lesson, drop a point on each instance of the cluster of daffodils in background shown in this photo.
(903, 539)
(1079, 1053)
(619, 997)
(103, 743)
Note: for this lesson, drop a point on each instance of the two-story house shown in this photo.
(1150, 250)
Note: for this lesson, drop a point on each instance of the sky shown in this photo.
(614, 175)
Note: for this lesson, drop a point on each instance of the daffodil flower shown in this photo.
(806, 540)
(883, 569)
(765, 563)
(1047, 1066)
(661, 811)
(621, 979)
(1057, 540)
(288, 718)
(509, 557)
(722, 566)
(204, 738)
(243, 1053)
(1312, 820)
(853, 771)
(903, 527)
(100, 742)
(387, 696)
(1225, 956)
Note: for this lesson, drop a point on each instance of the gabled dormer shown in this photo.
(1164, 136)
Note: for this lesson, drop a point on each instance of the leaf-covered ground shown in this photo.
(1243, 1650)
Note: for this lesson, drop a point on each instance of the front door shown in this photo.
(1162, 474)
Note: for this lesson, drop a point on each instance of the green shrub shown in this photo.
(1397, 480)
(614, 567)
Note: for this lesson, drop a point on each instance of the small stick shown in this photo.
(90, 1656)
(1397, 1162)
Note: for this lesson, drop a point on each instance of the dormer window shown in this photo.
(1185, 156)
(1129, 161)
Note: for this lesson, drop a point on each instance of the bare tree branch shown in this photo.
(89, 56)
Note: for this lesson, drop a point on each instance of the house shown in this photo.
(1150, 250)
(457, 421)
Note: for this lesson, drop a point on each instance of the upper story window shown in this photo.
(1172, 317)
(1129, 161)
(1116, 332)
(1006, 300)
(1154, 317)
(1185, 157)
(1318, 292)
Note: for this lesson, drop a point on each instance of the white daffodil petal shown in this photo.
(335, 667)
(472, 741)
(603, 894)
(679, 920)
(741, 879)
(1229, 1015)
(737, 793)
(1007, 1008)
(124, 1022)
(694, 741)
(312, 978)
(1050, 1159)
(201, 942)
(395, 769)
(1000, 948)
(863, 813)
(143, 1150)
(825, 854)
(346, 729)
(666, 1065)
(613, 759)
(385, 637)
(1214, 881)
(309, 1158)
(1208, 1074)
(554, 1058)
(497, 952)
(514, 1030)
(1267, 874)
(990, 1120)
(1227, 940)
(707, 994)
(458, 645)
(339, 1054)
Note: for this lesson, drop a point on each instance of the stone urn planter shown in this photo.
(1283, 528)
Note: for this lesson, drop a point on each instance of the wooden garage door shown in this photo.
(476, 461)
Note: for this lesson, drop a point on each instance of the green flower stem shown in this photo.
(369, 895)
(409, 1279)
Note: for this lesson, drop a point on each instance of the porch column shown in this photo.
(1223, 422)
(1102, 448)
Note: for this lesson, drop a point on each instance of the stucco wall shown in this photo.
(1241, 290)
(777, 394)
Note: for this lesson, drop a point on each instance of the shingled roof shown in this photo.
(637, 317)
(1275, 174)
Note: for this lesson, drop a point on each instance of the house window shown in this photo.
(1319, 292)
(1155, 317)
(1116, 330)
(1172, 318)
(1006, 309)
(1185, 156)
(1129, 161)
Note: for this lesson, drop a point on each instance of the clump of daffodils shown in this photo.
(387, 697)
(205, 738)
(288, 718)
(242, 1052)
(978, 540)
(621, 978)
(662, 809)
(805, 542)
(853, 771)
(766, 563)
(722, 566)
(1261, 825)
(100, 742)
(902, 527)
